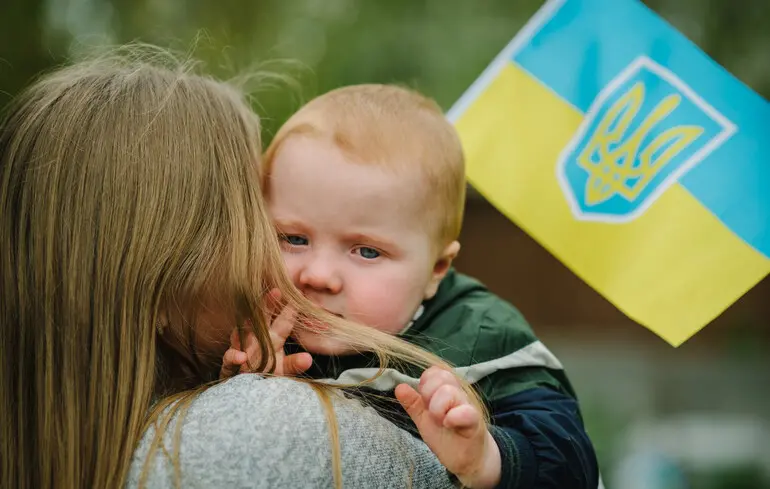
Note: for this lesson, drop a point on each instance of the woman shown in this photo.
(135, 239)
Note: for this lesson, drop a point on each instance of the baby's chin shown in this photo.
(322, 344)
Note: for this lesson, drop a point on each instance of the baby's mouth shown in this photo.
(314, 326)
(319, 326)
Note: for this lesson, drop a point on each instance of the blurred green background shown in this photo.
(661, 418)
(437, 46)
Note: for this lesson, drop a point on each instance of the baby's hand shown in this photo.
(453, 428)
(246, 357)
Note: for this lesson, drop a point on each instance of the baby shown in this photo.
(366, 186)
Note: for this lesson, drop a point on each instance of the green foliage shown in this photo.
(437, 46)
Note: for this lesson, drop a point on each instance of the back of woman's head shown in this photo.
(127, 188)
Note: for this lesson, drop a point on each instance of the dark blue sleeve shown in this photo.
(542, 442)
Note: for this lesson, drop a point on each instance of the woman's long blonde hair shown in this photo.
(128, 186)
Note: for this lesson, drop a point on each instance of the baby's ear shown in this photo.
(441, 267)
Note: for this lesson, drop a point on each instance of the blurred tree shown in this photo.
(748, 477)
(24, 48)
(738, 38)
(437, 46)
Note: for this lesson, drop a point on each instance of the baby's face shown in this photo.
(354, 239)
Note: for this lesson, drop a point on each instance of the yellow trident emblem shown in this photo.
(621, 169)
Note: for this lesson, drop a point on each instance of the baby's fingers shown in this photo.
(296, 364)
(413, 404)
(274, 304)
(235, 339)
(445, 398)
(231, 362)
(464, 419)
(282, 327)
(435, 378)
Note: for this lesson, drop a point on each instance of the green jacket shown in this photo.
(484, 336)
(535, 416)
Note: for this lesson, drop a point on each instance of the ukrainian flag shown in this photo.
(630, 155)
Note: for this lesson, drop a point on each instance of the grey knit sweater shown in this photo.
(251, 432)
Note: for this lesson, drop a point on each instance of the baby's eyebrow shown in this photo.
(371, 239)
(287, 222)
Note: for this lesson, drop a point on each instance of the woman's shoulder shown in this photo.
(285, 412)
(260, 432)
(244, 429)
(280, 396)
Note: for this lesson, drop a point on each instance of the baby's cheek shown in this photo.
(321, 344)
(386, 309)
(292, 266)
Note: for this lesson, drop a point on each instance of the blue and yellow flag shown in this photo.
(629, 154)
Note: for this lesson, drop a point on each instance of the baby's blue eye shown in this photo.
(368, 253)
(295, 240)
